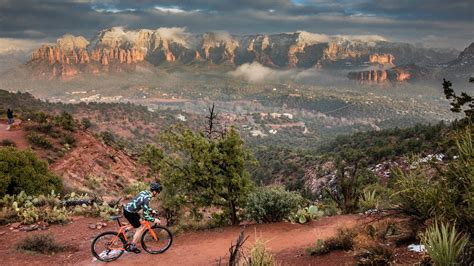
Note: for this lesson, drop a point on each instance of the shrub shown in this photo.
(369, 200)
(135, 187)
(68, 140)
(448, 195)
(260, 255)
(376, 254)
(42, 243)
(66, 121)
(39, 140)
(443, 243)
(86, 123)
(23, 171)
(8, 143)
(306, 214)
(344, 240)
(272, 204)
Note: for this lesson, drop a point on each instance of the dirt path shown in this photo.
(17, 135)
(287, 241)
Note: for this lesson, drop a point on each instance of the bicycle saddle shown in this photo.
(115, 217)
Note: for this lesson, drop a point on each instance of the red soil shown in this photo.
(16, 135)
(287, 241)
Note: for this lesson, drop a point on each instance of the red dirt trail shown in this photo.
(16, 135)
(286, 241)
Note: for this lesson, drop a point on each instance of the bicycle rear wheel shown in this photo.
(163, 240)
(108, 247)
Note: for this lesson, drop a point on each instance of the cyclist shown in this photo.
(131, 209)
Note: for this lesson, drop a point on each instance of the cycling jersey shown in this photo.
(141, 201)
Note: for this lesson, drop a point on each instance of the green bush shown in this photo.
(443, 243)
(135, 187)
(43, 244)
(39, 140)
(306, 214)
(260, 255)
(66, 121)
(272, 204)
(344, 240)
(369, 200)
(68, 140)
(448, 194)
(23, 171)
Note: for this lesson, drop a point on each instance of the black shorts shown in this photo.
(133, 218)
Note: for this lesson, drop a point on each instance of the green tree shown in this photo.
(200, 172)
(351, 177)
(23, 171)
(457, 102)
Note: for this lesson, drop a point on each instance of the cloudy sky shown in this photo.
(435, 23)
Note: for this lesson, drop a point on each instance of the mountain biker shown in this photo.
(131, 209)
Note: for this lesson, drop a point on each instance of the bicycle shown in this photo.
(116, 242)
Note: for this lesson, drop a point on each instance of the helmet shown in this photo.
(155, 187)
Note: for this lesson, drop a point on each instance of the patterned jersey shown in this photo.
(141, 201)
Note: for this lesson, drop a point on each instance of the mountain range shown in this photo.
(117, 49)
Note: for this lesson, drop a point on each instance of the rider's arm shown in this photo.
(147, 210)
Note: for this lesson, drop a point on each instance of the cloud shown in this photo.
(8, 45)
(256, 73)
(176, 34)
(403, 20)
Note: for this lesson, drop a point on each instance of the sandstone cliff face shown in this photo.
(395, 74)
(69, 57)
(382, 59)
(116, 49)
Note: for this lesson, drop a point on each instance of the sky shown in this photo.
(433, 23)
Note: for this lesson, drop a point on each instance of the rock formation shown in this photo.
(121, 49)
(395, 74)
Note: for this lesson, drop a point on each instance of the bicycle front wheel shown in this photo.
(157, 245)
(108, 246)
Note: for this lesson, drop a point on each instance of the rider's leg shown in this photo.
(138, 233)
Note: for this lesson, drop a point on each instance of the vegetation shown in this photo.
(23, 171)
(272, 204)
(306, 214)
(39, 140)
(444, 243)
(260, 255)
(448, 194)
(344, 240)
(201, 172)
(41, 243)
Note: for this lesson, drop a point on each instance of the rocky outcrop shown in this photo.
(382, 59)
(396, 74)
(118, 49)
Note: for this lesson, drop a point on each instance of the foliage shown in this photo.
(152, 157)
(39, 140)
(23, 171)
(68, 139)
(389, 143)
(306, 214)
(369, 200)
(344, 240)
(202, 172)
(448, 195)
(376, 254)
(443, 243)
(260, 255)
(86, 123)
(66, 121)
(40, 243)
(272, 204)
(135, 187)
(351, 177)
(95, 210)
(457, 102)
